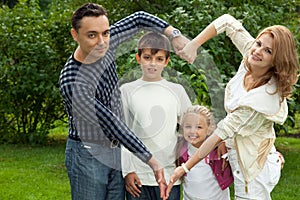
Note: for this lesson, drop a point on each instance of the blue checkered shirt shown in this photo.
(91, 94)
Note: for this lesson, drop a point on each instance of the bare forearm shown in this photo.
(154, 164)
(208, 33)
(189, 52)
(209, 144)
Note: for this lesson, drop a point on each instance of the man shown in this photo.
(89, 87)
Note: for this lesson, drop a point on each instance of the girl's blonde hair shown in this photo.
(284, 60)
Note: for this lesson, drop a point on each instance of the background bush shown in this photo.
(36, 42)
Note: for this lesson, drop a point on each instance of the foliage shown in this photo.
(9, 3)
(219, 59)
(37, 43)
(29, 98)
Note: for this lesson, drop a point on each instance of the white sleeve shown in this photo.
(185, 102)
(126, 155)
(124, 98)
(235, 31)
(127, 163)
(243, 121)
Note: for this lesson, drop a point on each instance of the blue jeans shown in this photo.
(94, 171)
(153, 193)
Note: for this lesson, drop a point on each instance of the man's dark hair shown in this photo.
(87, 10)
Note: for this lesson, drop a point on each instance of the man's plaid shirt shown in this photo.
(91, 94)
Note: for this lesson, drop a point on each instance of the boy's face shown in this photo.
(152, 64)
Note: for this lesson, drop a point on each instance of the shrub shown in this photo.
(36, 44)
(29, 100)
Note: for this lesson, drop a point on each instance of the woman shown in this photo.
(255, 99)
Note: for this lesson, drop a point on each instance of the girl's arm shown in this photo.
(210, 143)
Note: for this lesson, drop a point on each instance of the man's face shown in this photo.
(93, 38)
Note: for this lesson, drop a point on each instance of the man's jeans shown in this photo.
(94, 171)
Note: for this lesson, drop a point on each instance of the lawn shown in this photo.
(37, 173)
(288, 187)
(33, 173)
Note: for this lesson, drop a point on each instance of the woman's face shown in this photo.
(260, 58)
(195, 129)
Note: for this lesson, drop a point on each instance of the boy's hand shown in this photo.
(132, 184)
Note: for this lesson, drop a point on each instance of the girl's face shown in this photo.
(260, 58)
(195, 129)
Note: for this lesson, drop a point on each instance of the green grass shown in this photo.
(288, 187)
(38, 173)
(33, 173)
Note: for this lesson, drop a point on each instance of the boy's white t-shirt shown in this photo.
(151, 111)
(200, 183)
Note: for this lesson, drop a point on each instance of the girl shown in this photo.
(207, 180)
(255, 99)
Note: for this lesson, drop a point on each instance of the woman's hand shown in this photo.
(222, 153)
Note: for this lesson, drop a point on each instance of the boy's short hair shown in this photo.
(155, 42)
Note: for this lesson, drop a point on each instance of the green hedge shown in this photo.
(36, 43)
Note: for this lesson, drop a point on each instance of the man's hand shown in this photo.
(160, 179)
(179, 43)
(132, 184)
(159, 176)
(189, 52)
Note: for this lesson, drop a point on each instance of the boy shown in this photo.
(152, 108)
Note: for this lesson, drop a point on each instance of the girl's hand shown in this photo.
(189, 52)
(177, 174)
